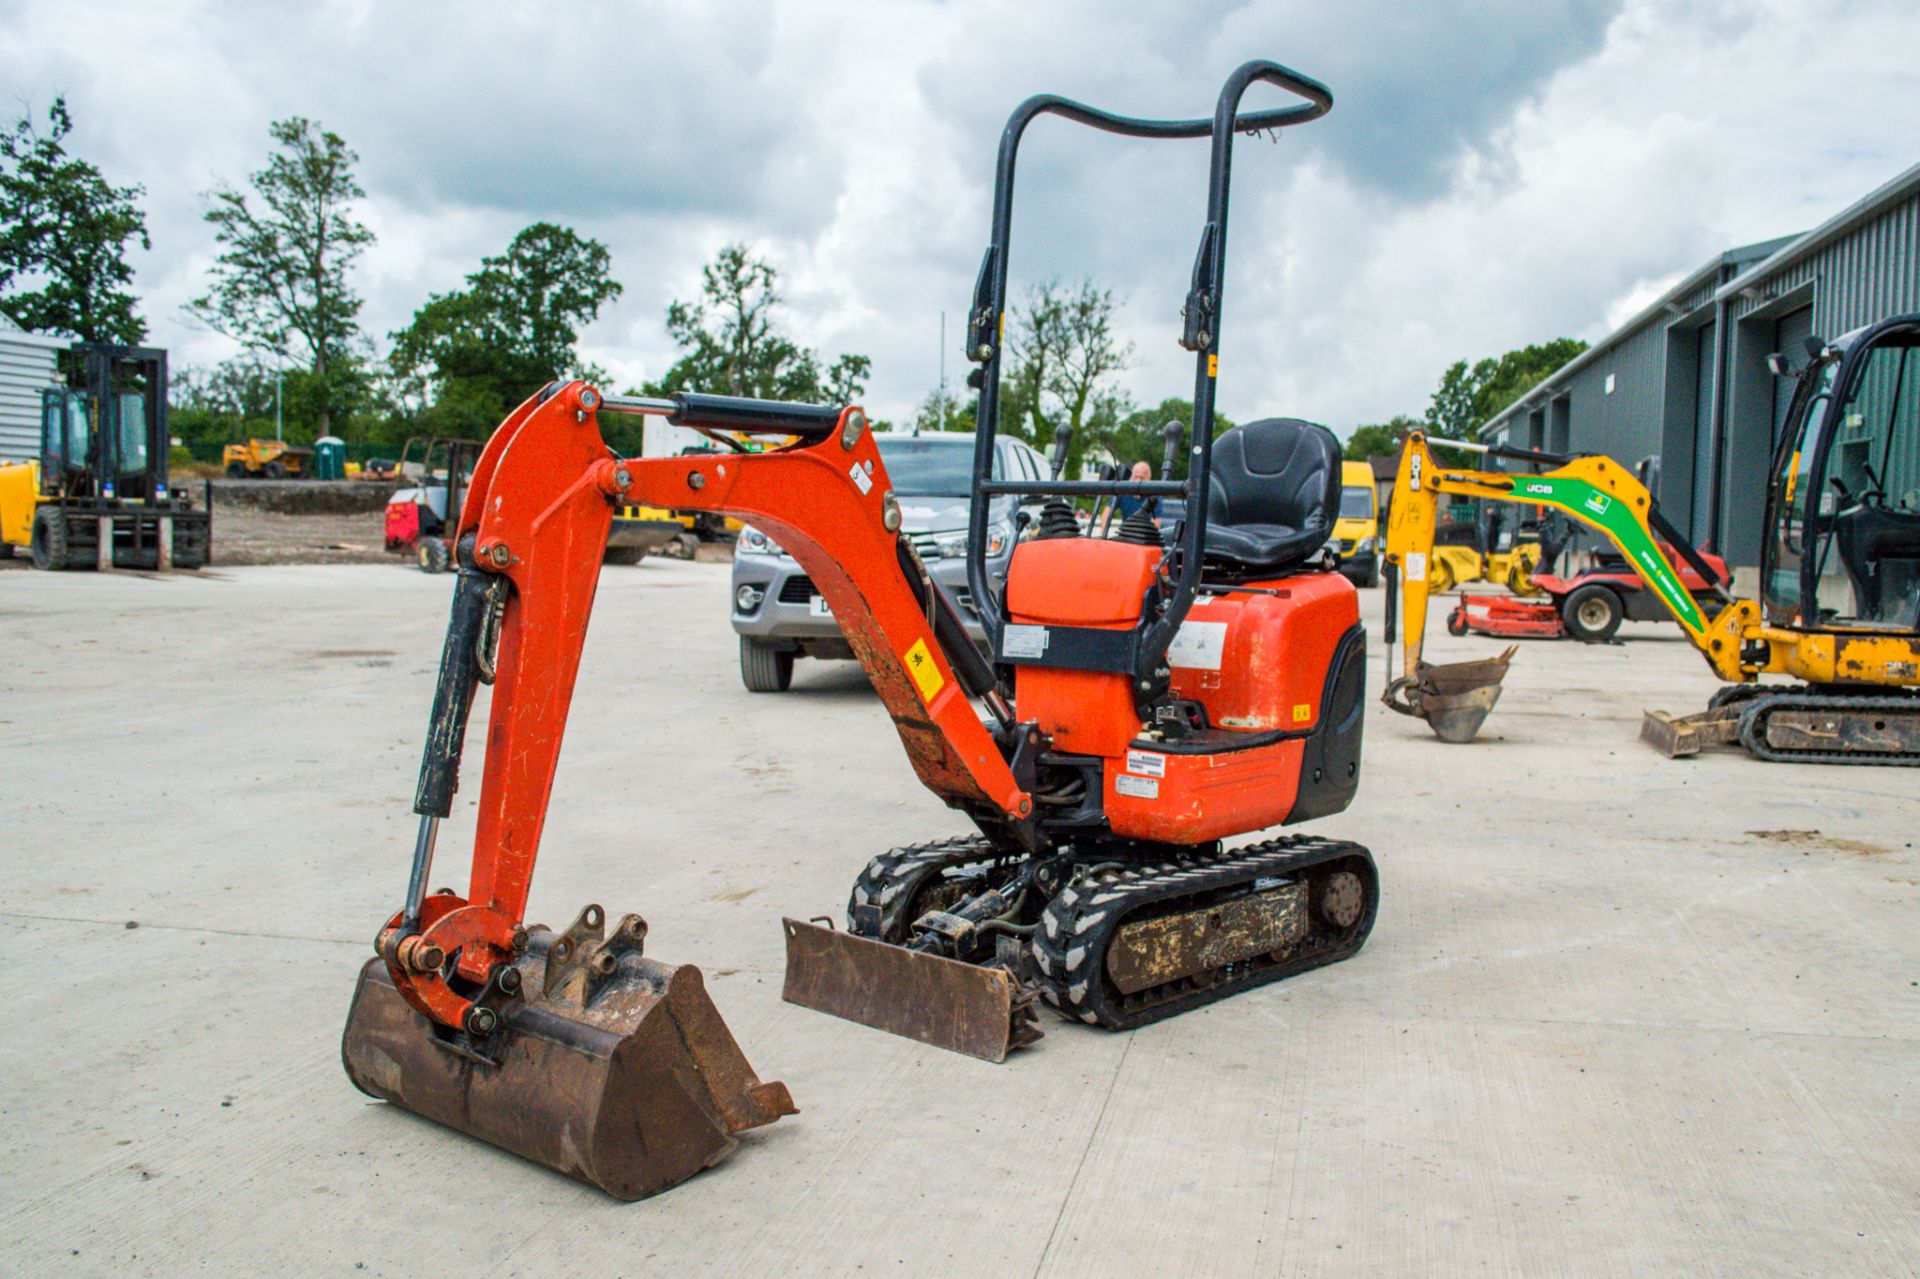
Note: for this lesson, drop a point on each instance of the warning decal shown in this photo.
(925, 671)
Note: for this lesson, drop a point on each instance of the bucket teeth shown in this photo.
(609, 1067)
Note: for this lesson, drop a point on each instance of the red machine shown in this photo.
(1588, 606)
(1148, 698)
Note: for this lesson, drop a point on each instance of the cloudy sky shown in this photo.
(1493, 173)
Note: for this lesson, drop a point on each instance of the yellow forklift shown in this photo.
(1838, 610)
(97, 496)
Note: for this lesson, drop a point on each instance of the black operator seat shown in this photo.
(1273, 497)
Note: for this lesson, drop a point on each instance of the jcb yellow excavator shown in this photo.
(1839, 606)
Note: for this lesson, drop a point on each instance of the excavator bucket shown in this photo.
(1456, 698)
(979, 1010)
(607, 1066)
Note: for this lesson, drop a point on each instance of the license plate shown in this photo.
(817, 607)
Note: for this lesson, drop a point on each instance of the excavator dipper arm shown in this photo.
(575, 1048)
(531, 537)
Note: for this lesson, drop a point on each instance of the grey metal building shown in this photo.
(27, 367)
(1686, 380)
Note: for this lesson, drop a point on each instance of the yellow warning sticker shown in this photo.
(1302, 713)
(1213, 366)
(925, 671)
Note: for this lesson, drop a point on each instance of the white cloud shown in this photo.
(1493, 173)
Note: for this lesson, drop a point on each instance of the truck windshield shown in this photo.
(1356, 503)
(922, 467)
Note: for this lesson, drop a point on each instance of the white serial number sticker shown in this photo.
(1138, 787)
(1198, 646)
(1416, 566)
(1147, 763)
(1023, 641)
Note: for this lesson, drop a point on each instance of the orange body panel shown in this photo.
(1257, 661)
(1273, 665)
(1199, 798)
(1078, 581)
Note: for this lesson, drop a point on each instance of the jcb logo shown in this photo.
(1545, 490)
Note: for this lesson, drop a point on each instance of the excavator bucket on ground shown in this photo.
(608, 1066)
(1454, 698)
(980, 1010)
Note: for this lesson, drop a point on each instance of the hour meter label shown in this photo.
(1198, 646)
(925, 671)
(1023, 641)
(1137, 787)
(861, 480)
(1147, 763)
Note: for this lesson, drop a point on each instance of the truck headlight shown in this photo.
(953, 546)
(754, 542)
(1363, 547)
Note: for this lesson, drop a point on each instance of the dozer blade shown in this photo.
(1676, 736)
(619, 1071)
(965, 1008)
(1456, 698)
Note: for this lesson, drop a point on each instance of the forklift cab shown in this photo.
(104, 434)
(102, 498)
(1843, 510)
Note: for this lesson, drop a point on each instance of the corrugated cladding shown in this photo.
(27, 367)
(1866, 274)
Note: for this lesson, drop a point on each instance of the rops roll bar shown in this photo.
(1145, 653)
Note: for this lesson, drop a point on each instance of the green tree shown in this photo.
(469, 356)
(731, 342)
(1141, 436)
(1469, 395)
(64, 232)
(281, 277)
(1065, 358)
(942, 410)
(1380, 439)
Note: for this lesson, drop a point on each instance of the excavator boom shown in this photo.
(467, 1014)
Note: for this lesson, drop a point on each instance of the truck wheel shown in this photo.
(274, 471)
(1593, 613)
(236, 470)
(764, 668)
(49, 541)
(6, 550)
(432, 554)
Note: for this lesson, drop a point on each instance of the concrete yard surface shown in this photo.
(1619, 1015)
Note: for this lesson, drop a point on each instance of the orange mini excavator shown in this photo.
(1149, 697)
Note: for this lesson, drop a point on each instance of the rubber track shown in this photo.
(1070, 947)
(894, 878)
(1753, 734)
